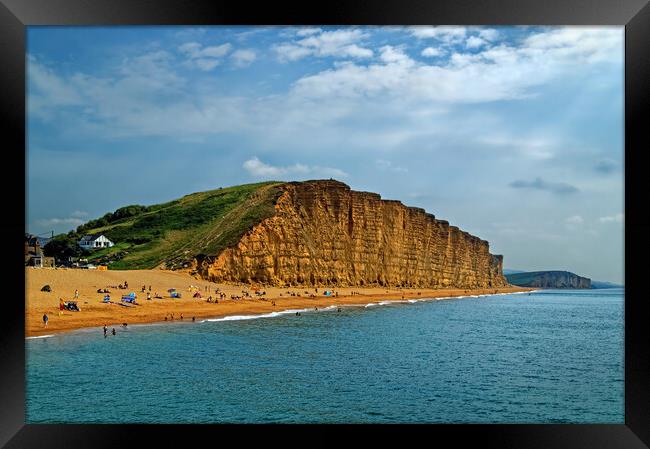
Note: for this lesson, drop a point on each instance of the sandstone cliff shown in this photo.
(325, 234)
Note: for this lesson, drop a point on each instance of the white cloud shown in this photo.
(195, 50)
(259, 169)
(390, 54)
(290, 52)
(616, 218)
(308, 31)
(577, 44)
(575, 219)
(385, 165)
(530, 146)
(474, 42)
(489, 34)
(338, 43)
(45, 81)
(204, 58)
(206, 63)
(243, 58)
(446, 34)
(79, 214)
(503, 72)
(431, 52)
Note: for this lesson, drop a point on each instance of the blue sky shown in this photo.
(514, 134)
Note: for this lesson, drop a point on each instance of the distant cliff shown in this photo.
(548, 279)
(324, 233)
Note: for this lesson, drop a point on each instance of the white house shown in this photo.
(95, 241)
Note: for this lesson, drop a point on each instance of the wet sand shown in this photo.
(95, 313)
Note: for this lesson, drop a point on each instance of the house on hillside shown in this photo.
(95, 241)
(34, 253)
(32, 246)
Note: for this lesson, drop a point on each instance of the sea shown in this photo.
(551, 356)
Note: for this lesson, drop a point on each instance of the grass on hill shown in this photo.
(173, 233)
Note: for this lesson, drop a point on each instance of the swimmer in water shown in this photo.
(113, 331)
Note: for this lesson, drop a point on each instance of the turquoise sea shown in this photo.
(553, 356)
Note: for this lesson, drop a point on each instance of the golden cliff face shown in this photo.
(325, 234)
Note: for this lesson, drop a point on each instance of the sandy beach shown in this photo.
(95, 313)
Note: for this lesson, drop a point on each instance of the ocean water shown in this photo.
(553, 356)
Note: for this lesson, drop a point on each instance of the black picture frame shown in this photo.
(15, 15)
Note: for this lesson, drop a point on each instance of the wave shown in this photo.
(254, 317)
(241, 317)
(39, 336)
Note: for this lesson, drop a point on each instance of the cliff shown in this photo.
(324, 233)
(549, 279)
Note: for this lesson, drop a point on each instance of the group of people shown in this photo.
(112, 331)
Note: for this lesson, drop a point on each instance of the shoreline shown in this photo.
(278, 312)
(95, 314)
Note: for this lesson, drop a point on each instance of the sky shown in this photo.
(514, 134)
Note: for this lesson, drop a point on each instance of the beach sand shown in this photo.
(94, 313)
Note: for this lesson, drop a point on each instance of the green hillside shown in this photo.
(174, 233)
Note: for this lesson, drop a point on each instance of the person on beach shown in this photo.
(165, 317)
(126, 284)
(149, 296)
(105, 330)
(45, 319)
(172, 316)
(181, 316)
(150, 288)
(76, 294)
